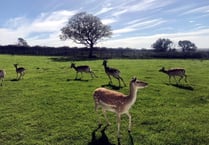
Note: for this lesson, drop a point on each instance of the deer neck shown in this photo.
(132, 95)
(165, 71)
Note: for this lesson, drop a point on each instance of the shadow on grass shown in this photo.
(131, 140)
(111, 86)
(102, 140)
(80, 80)
(182, 86)
(14, 80)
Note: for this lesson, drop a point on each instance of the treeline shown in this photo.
(100, 53)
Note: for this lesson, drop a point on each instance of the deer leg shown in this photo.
(180, 78)
(118, 81)
(175, 79)
(185, 78)
(94, 74)
(110, 79)
(76, 75)
(81, 75)
(23, 74)
(129, 125)
(118, 121)
(122, 81)
(105, 115)
(169, 79)
(96, 109)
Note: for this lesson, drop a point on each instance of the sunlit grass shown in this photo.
(49, 107)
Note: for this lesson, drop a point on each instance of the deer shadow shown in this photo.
(111, 86)
(102, 140)
(182, 86)
(80, 80)
(15, 80)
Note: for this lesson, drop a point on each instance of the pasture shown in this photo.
(49, 107)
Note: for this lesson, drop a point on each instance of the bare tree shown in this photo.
(85, 29)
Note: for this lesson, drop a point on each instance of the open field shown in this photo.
(49, 107)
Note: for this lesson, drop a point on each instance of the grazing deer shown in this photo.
(81, 69)
(2, 75)
(175, 72)
(117, 102)
(19, 70)
(112, 72)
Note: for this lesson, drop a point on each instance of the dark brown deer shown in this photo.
(113, 72)
(19, 70)
(81, 69)
(117, 102)
(180, 72)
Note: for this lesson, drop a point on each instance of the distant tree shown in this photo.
(162, 45)
(187, 46)
(22, 42)
(85, 29)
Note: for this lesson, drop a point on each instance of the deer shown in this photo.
(112, 72)
(175, 72)
(2, 75)
(81, 69)
(19, 70)
(119, 103)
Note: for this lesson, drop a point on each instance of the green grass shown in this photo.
(49, 107)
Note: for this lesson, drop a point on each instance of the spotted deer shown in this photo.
(19, 70)
(113, 72)
(2, 75)
(109, 100)
(175, 72)
(81, 69)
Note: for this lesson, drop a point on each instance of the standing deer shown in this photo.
(2, 75)
(19, 70)
(112, 72)
(81, 69)
(117, 102)
(175, 72)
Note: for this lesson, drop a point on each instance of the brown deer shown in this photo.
(175, 72)
(2, 75)
(113, 72)
(117, 102)
(81, 69)
(19, 70)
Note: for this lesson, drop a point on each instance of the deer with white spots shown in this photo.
(180, 72)
(113, 72)
(109, 100)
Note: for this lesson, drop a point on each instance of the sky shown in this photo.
(134, 23)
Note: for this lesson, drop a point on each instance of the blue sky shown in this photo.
(135, 23)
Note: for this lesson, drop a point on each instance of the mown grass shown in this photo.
(49, 107)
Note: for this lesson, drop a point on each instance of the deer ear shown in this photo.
(134, 79)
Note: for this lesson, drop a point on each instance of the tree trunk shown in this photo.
(91, 50)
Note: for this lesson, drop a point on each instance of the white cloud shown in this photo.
(45, 23)
(200, 38)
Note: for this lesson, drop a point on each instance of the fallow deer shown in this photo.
(117, 102)
(2, 75)
(175, 72)
(19, 70)
(81, 69)
(112, 72)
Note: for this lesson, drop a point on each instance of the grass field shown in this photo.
(49, 107)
